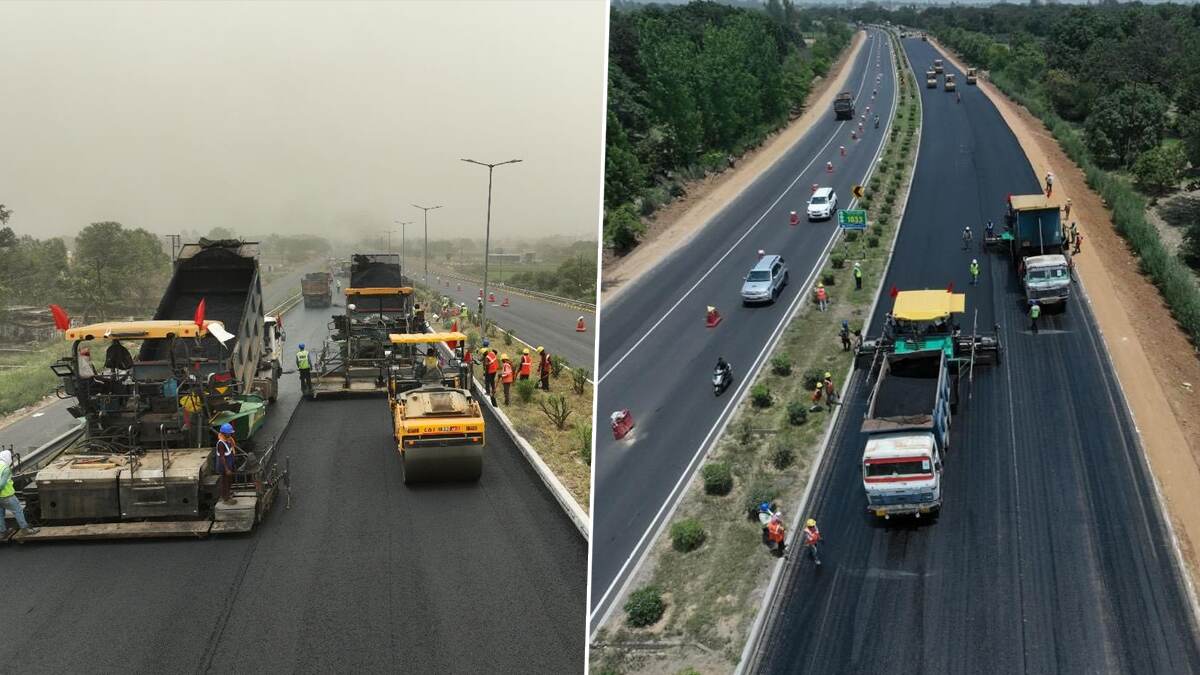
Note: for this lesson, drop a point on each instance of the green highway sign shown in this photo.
(852, 220)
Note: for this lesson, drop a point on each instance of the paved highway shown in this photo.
(31, 431)
(537, 322)
(1051, 554)
(656, 356)
(363, 574)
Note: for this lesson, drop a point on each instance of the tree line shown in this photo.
(690, 87)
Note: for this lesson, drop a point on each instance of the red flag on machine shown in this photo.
(894, 292)
(950, 287)
(453, 344)
(61, 320)
(199, 317)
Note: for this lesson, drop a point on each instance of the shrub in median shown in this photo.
(813, 377)
(579, 378)
(687, 535)
(583, 441)
(718, 479)
(828, 278)
(873, 241)
(797, 412)
(782, 457)
(644, 607)
(837, 260)
(780, 365)
(760, 395)
(525, 390)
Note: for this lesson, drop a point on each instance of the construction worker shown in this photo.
(118, 357)
(8, 496)
(1067, 208)
(831, 396)
(1078, 242)
(225, 461)
(776, 533)
(991, 230)
(304, 367)
(822, 297)
(432, 364)
(491, 365)
(1035, 311)
(966, 237)
(974, 272)
(812, 536)
(86, 371)
(877, 121)
(526, 365)
(844, 334)
(544, 368)
(506, 375)
(1049, 183)
(857, 276)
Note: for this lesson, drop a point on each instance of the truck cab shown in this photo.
(843, 106)
(930, 79)
(937, 66)
(972, 75)
(1046, 278)
(1038, 248)
(902, 474)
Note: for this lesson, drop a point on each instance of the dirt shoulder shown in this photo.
(1135, 324)
(676, 222)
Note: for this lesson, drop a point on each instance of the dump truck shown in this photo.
(437, 423)
(930, 80)
(938, 67)
(143, 465)
(972, 75)
(916, 366)
(317, 288)
(1037, 246)
(949, 82)
(843, 106)
(379, 302)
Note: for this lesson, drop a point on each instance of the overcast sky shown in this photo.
(308, 117)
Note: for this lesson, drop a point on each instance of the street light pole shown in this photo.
(403, 247)
(487, 240)
(427, 209)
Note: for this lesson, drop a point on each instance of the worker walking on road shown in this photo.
(526, 365)
(966, 237)
(225, 461)
(974, 272)
(857, 276)
(1078, 242)
(8, 496)
(812, 537)
(544, 367)
(1049, 183)
(304, 367)
(1067, 208)
(822, 297)
(506, 375)
(1035, 311)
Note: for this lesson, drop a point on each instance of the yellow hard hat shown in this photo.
(526, 351)
(810, 523)
(541, 348)
(504, 357)
(828, 374)
(820, 285)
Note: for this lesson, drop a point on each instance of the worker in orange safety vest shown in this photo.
(776, 533)
(491, 364)
(526, 365)
(506, 375)
(812, 536)
(822, 297)
(544, 367)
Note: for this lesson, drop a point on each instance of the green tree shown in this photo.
(221, 233)
(1159, 169)
(1126, 123)
(622, 227)
(1189, 131)
(116, 268)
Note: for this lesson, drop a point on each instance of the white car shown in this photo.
(822, 204)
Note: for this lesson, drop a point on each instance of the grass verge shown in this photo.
(714, 590)
(567, 451)
(26, 378)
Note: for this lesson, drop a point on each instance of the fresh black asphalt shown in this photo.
(1051, 554)
(664, 380)
(362, 574)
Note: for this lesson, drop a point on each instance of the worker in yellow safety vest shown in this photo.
(8, 496)
(304, 367)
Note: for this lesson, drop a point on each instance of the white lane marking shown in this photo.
(724, 418)
(737, 243)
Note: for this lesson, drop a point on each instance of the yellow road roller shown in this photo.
(439, 434)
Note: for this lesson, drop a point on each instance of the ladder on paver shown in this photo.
(150, 493)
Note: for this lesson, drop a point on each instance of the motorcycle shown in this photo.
(721, 379)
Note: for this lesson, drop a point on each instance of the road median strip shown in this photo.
(714, 594)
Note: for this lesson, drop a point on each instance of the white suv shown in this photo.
(822, 204)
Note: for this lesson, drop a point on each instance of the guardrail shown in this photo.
(534, 294)
(285, 305)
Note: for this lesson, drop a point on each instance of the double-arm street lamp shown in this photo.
(403, 247)
(427, 209)
(487, 241)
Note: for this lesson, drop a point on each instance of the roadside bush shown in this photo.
(838, 261)
(873, 241)
(828, 278)
(1159, 169)
(718, 479)
(760, 396)
(852, 235)
(644, 607)
(583, 441)
(557, 409)
(812, 377)
(508, 338)
(622, 227)
(525, 389)
(797, 412)
(579, 378)
(557, 363)
(758, 492)
(780, 365)
(687, 535)
(782, 457)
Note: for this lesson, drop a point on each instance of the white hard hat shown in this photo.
(974, 261)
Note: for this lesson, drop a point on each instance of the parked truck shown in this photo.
(1038, 248)
(918, 363)
(317, 288)
(843, 106)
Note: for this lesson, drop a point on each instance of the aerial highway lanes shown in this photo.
(1051, 553)
(362, 573)
(656, 356)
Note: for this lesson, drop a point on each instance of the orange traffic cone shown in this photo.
(794, 219)
(761, 253)
(579, 326)
(815, 187)
(828, 167)
(712, 317)
(505, 303)
(853, 135)
(492, 297)
(842, 148)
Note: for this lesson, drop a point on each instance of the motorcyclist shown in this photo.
(722, 368)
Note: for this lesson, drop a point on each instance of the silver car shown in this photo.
(765, 281)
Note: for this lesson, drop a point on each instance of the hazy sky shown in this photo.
(306, 117)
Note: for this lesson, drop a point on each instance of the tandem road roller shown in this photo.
(437, 423)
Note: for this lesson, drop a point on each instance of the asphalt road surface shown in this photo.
(362, 574)
(1051, 554)
(656, 356)
(538, 322)
(49, 421)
